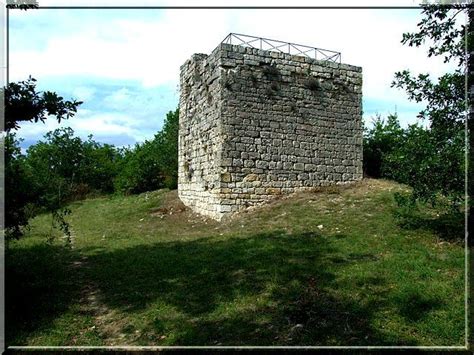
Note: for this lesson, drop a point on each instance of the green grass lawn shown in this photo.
(332, 267)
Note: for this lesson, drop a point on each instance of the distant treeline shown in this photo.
(63, 168)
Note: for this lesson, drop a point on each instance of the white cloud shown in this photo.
(84, 123)
(83, 93)
(150, 49)
(147, 105)
(119, 99)
(112, 113)
(100, 123)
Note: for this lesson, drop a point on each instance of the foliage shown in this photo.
(63, 168)
(411, 156)
(431, 167)
(383, 138)
(152, 164)
(54, 171)
(24, 103)
(37, 181)
(73, 166)
(436, 159)
(445, 99)
(55, 161)
(168, 143)
(139, 170)
(439, 26)
(18, 191)
(99, 166)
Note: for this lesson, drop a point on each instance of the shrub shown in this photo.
(168, 149)
(419, 157)
(432, 168)
(379, 141)
(99, 167)
(62, 168)
(19, 192)
(139, 170)
(66, 167)
(152, 164)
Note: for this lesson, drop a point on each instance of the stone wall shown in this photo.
(255, 124)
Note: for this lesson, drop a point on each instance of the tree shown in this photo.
(55, 162)
(152, 164)
(139, 170)
(98, 168)
(417, 157)
(18, 191)
(445, 104)
(168, 151)
(24, 103)
(68, 168)
(382, 139)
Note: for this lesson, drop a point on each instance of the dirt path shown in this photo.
(107, 323)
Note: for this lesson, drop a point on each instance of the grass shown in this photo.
(333, 267)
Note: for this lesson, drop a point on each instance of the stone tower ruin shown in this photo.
(255, 123)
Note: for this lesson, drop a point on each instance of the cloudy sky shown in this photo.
(124, 63)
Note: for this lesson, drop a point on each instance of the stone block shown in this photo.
(250, 177)
(273, 191)
(298, 166)
(226, 177)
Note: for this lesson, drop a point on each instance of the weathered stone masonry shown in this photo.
(255, 124)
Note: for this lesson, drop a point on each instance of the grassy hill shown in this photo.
(333, 267)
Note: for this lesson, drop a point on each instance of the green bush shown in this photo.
(152, 164)
(139, 169)
(54, 171)
(99, 167)
(431, 166)
(19, 192)
(55, 161)
(429, 162)
(382, 139)
(168, 153)
(66, 167)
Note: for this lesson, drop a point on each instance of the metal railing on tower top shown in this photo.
(283, 47)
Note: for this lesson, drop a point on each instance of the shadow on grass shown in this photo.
(265, 289)
(448, 226)
(39, 286)
(414, 305)
(214, 286)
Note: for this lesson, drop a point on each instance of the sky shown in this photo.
(124, 63)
